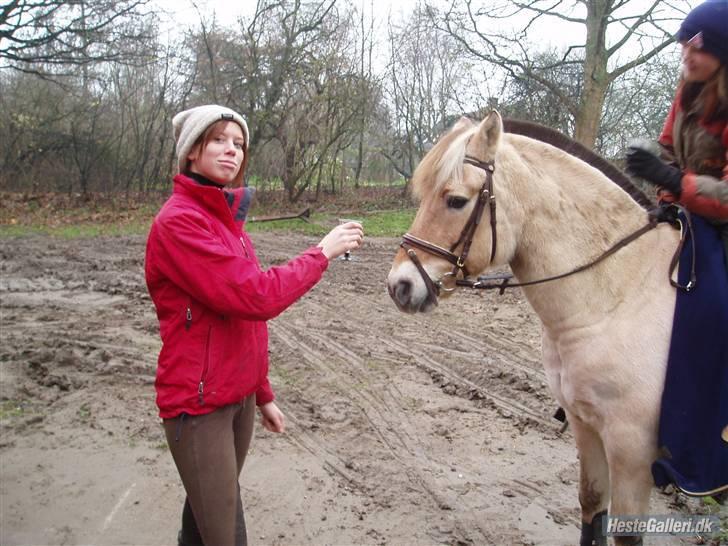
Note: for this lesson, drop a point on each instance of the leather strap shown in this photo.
(485, 196)
(409, 240)
(482, 282)
(685, 230)
(429, 283)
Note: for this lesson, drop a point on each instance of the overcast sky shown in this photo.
(227, 11)
(548, 33)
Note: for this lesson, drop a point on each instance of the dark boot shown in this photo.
(189, 535)
(241, 534)
(594, 533)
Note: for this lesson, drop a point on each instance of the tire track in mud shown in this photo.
(432, 365)
(498, 366)
(506, 349)
(380, 403)
(509, 349)
(346, 364)
(507, 372)
(78, 332)
(395, 433)
(386, 417)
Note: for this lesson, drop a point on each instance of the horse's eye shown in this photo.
(456, 202)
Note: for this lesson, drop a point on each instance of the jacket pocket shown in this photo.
(205, 375)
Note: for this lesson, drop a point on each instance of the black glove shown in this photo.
(649, 167)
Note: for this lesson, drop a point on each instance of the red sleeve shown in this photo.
(194, 259)
(666, 136)
(264, 394)
(705, 195)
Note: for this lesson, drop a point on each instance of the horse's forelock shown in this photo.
(450, 164)
(443, 163)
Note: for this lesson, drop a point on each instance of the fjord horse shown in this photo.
(490, 198)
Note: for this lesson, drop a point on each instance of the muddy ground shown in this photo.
(402, 429)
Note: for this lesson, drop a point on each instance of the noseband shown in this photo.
(448, 281)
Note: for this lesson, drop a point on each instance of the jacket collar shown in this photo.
(230, 205)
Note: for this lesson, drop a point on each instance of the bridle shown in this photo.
(486, 195)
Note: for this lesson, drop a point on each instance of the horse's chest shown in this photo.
(580, 379)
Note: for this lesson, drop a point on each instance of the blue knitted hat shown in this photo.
(710, 18)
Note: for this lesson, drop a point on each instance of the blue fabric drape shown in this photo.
(694, 410)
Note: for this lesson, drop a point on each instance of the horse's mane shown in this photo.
(574, 148)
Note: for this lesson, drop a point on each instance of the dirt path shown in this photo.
(402, 429)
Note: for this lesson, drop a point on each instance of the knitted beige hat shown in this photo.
(190, 124)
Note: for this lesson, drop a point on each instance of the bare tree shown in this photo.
(611, 38)
(143, 102)
(45, 36)
(325, 111)
(292, 69)
(637, 105)
(527, 98)
(104, 128)
(366, 49)
(34, 146)
(427, 77)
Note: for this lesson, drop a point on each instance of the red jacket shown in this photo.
(213, 300)
(700, 149)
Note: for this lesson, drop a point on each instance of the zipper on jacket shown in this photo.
(245, 248)
(203, 377)
(188, 318)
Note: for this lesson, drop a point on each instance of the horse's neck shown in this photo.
(567, 214)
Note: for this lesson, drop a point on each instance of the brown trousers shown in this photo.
(209, 451)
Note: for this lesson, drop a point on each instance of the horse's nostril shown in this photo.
(403, 291)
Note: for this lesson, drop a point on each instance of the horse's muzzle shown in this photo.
(405, 296)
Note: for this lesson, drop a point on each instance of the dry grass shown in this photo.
(90, 214)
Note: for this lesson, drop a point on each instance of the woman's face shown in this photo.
(697, 65)
(221, 159)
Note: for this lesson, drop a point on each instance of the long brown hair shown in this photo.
(712, 96)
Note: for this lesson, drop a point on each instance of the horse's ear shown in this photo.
(488, 135)
(462, 123)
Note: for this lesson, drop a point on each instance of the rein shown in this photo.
(450, 281)
(480, 283)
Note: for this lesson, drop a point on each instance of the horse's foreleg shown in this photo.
(631, 479)
(593, 483)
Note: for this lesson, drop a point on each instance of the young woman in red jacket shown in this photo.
(694, 139)
(213, 301)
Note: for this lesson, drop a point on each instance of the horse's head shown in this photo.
(454, 230)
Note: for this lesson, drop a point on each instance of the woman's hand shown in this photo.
(272, 418)
(643, 163)
(342, 238)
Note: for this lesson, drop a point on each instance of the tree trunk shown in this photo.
(318, 180)
(359, 158)
(596, 78)
(589, 115)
